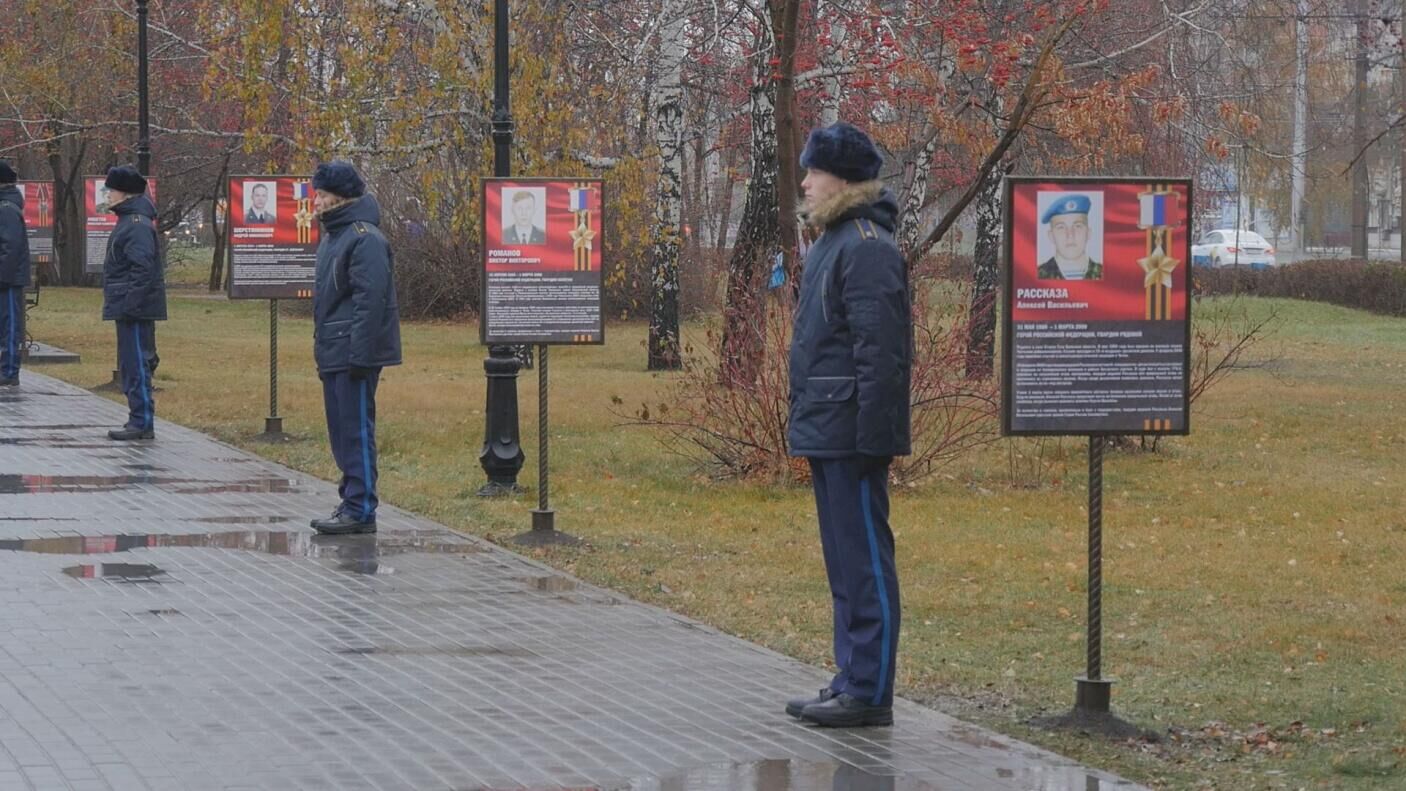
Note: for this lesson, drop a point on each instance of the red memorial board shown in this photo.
(1097, 308)
(273, 236)
(543, 261)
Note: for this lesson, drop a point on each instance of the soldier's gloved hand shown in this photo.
(868, 465)
(357, 373)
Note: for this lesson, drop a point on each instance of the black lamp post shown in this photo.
(502, 455)
(143, 127)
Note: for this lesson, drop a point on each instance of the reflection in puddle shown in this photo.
(794, 774)
(48, 484)
(118, 572)
(270, 542)
(778, 775)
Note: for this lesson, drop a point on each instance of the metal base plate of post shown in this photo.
(544, 532)
(1093, 695)
(273, 431)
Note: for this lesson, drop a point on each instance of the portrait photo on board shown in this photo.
(524, 216)
(260, 203)
(1070, 238)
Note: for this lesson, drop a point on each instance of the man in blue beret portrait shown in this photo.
(1068, 219)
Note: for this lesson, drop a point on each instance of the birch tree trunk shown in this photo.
(664, 353)
(910, 219)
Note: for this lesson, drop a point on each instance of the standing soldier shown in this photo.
(851, 352)
(356, 332)
(14, 275)
(134, 296)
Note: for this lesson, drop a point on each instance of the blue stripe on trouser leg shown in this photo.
(838, 598)
(11, 326)
(136, 360)
(143, 378)
(887, 638)
(855, 515)
(351, 430)
(366, 509)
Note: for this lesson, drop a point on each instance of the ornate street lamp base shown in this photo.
(500, 489)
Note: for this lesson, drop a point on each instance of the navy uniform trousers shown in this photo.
(136, 362)
(11, 330)
(859, 560)
(351, 426)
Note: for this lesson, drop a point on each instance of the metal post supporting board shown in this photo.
(1094, 692)
(273, 424)
(544, 530)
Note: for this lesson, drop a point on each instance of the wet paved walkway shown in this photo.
(170, 622)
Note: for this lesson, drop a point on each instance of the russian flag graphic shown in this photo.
(579, 199)
(300, 190)
(1153, 210)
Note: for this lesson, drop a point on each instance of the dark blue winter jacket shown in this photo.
(14, 241)
(852, 348)
(134, 285)
(356, 319)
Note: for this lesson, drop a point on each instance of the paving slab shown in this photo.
(170, 621)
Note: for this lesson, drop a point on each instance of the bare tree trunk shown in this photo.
(784, 17)
(1401, 138)
(833, 90)
(986, 275)
(910, 219)
(70, 247)
(725, 210)
(220, 227)
(1359, 137)
(1300, 160)
(758, 240)
(664, 352)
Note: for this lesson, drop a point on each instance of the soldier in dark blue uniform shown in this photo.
(134, 296)
(851, 355)
(14, 275)
(356, 333)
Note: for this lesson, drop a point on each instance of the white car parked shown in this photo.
(1228, 247)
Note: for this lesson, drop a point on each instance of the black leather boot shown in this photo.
(342, 523)
(846, 711)
(795, 705)
(125, 434)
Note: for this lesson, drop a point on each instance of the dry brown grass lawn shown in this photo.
(1256, 571)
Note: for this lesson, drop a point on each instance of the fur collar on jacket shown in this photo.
(860, 193)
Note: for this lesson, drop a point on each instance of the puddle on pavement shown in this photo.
(49, 442)
(49, 484)
(270, 542)
(793, 774)
(362, 554)
(118, 572)
(243, 520)
(790, 774)
(59, 426)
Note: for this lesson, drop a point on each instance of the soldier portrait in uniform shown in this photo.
(260, 205)
(524, 216)
(102, 201)
(1070, 245)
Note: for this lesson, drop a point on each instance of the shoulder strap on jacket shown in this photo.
(866, 229)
